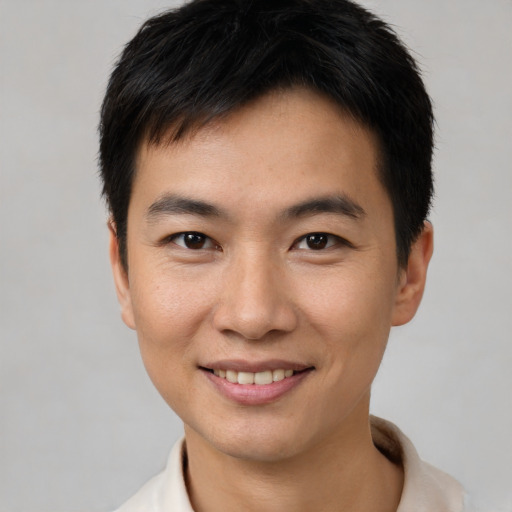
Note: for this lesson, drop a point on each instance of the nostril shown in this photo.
(254, 312)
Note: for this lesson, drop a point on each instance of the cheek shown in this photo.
(168, 313)
(351, 313)
(352, 299)
(169, 309)
(167, 301)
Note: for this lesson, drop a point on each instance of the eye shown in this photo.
(318, 241)
(193, 240)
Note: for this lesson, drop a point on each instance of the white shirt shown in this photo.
(426, 489)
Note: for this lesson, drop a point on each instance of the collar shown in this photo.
(425, 488)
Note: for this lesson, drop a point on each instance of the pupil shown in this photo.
(317, 241)
(194, 241)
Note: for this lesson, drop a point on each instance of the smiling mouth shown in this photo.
(258, 378)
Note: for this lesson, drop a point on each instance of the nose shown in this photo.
(255, 300)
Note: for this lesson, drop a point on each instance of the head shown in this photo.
(267, 167)
(197, 64)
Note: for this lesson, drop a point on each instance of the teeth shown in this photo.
(259, 378)
(245, 378)
(278, 375)
(263, 377)
(232, 376)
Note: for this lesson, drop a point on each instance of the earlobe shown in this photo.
(120, 278)
(413, 277)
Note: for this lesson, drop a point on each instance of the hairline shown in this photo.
(183, 129)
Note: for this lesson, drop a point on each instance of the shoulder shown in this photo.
(165, 491)
(426, 487)
(146, 499)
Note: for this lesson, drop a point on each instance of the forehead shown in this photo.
(272, 153)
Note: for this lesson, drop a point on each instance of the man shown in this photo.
(267, 165)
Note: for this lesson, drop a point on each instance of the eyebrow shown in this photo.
(171, 204)
(339, 204)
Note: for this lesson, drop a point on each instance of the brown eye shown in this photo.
(193, 240)
(317, 241)
(320, 241)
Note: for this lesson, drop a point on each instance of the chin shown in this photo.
(258, 441)
(262, 449)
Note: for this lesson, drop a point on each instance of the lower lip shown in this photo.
(253, 394)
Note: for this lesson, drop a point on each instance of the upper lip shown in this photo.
(241, 365)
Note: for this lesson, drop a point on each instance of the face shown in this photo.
(262, 275)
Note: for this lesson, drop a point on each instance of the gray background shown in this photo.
(81, 427)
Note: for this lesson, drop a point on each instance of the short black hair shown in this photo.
(207, 58)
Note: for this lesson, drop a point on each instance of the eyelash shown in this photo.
(310, 237)
(203, 239)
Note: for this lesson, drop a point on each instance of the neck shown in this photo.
(345, 472)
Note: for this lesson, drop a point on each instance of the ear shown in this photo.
(413, 277)
(120, 279)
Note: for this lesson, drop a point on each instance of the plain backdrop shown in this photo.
(81, 427)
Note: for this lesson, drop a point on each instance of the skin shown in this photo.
(253, 289)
